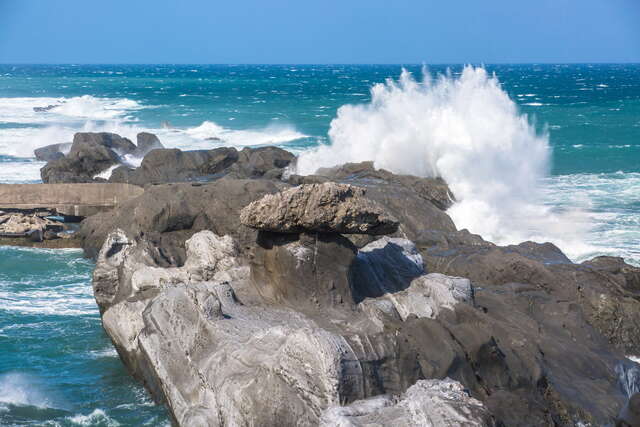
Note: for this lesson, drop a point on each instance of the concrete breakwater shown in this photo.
(78, 200)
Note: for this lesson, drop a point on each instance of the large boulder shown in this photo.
(323, 208)
(146, 142)
(262, 161)
(90, 154)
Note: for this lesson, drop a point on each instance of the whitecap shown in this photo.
(21, 389)
(97, 417)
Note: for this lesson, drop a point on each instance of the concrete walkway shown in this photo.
(67, 199)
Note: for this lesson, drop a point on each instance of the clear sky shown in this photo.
(319, 31)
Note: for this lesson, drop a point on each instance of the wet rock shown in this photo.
(325, 208)
(173, 165)
(145, 142)
(261, 161)
(89, 155)
(52, 152)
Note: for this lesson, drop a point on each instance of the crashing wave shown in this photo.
(468, 131)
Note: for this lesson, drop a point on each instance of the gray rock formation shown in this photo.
(202, 338)
(52, 152)
(89, 155)
(299, 328)
(146, 142)
(171, 213)
(323, 208)
(173, 165)
(428, 403)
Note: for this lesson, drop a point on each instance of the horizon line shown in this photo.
(319, 63)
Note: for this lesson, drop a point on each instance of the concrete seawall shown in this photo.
(67, 199)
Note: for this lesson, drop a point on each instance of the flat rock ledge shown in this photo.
(322, 208)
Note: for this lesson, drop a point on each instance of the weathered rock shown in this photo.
(52, 152)
(171, 213)
(606, 288)
(145, 142)
(434, 190)
(89, 155)
(426, 403)
(261, 161)
(173, 165)
(302, 270)
(28, 225)
(324, 208)
(268, 328)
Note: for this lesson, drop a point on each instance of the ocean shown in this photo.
(541, 152)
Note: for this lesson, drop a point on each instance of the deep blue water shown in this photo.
(56, 363)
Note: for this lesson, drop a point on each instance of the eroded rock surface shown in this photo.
(323, 208)
(294, 323)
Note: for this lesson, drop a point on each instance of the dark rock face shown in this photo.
(229, 324)
(52, 152)
(145, 142)
(605, 288)
(173, 165)
(171, 213)
(262, 161)
(89, 155)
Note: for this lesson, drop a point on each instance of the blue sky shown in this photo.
(321, 31)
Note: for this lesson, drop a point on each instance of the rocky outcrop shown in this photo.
(171, 213)
(30, 225)
(606, 289)
(426, 403)
(89, 155)
(52, 152)
(211, 342)
(173, 165)
(323, 208)
(240, 301)
(145, 143)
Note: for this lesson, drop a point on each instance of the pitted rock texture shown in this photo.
(323, 208)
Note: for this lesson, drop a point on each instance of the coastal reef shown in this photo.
(240, 293)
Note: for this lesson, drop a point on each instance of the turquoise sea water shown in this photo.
(57, 365)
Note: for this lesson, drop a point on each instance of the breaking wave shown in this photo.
(54, 110)
(468, 131)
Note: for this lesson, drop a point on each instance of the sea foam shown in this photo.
(468, 131)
